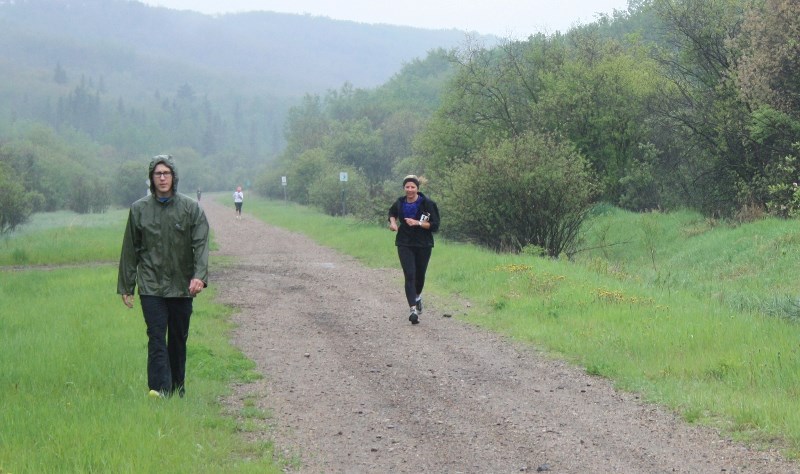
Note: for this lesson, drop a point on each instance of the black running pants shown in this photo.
(414, 261)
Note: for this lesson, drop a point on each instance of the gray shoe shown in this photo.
(414, 317)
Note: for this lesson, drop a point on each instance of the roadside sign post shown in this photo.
(343, 180)
(283, 184)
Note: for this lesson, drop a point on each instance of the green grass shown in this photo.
(58, 238)
(73, 371)
(746, 267)
(372, 245)
(693, 314)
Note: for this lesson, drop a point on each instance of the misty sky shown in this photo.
(505, 18)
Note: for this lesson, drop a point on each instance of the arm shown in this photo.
(200, 230)
(433, 221)
(393, 217)
(128, 262)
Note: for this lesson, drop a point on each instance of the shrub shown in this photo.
(16, 204)
(532, 191)
(336, 198)
(85, 197)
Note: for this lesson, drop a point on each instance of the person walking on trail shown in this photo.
(164, 254)
(415, 218)
(198, 194)
(238, 199)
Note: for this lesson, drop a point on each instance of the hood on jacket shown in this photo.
(170, 163)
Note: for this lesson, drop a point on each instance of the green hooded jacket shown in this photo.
(165, 244)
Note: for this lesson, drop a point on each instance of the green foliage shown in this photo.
(585, 87)
(530, 191)
(221, 114)
(15, 202)
(598, 98)
(783, 192)
(337, 198)
(673, 103)
(704, 108)
(357, 145)
(639, 189)
(418, 85)
(369, 133)
(311, 166)
(129, 182)
(89, 194)
(306, 126)
(770, 56)
(490, 98)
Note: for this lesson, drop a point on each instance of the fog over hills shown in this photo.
(144, 48)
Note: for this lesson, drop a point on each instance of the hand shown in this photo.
(128, 300)
(196, 286)
(412, 222)
(393, 226)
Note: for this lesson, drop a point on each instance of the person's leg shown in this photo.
(156, 315)
(180, 312)
(407, 261)
(422, 255)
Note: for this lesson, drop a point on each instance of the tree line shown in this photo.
(670, 104)
(91, 89)
(86, 151)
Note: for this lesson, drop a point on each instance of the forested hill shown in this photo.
(105, 83)
(158, 48)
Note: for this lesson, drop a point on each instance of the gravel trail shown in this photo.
(353, 387)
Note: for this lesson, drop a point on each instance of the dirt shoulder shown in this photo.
(354, 387)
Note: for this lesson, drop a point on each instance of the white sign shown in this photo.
(283, 180)
(343, 176)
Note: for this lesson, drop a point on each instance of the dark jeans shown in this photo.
(414, 261)
(167, 331)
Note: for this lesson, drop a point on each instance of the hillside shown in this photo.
(156, 48)
(117, 80)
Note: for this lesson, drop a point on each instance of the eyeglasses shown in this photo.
(162, 174)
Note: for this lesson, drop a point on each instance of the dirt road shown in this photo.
(354, 387)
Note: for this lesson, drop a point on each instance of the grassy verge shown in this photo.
(58, 238)
(687, 312)
(677, 308)
(73, 367)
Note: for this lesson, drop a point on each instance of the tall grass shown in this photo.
(688, 312)
(57, 238)
(73, 373)
(747, 267)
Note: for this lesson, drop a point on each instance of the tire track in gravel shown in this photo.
(354, 387)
